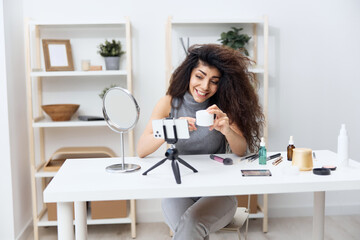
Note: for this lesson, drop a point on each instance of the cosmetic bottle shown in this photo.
(262, 152)
(343, 145)
(290, 148)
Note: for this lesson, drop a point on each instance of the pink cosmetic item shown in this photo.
(225, 161)
(331, 167)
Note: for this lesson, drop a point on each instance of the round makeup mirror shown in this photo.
(121, 113)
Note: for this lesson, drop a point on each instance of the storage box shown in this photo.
(243, 202)
(108, 209)
(53, 165)
(52, 212)
(59, 156)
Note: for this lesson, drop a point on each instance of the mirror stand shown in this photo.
(123, 167)
(121, 113)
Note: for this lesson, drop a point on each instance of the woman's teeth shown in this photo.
(200, 93)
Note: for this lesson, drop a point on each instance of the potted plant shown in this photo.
(111, 51)
(102, 94)
(235, 40)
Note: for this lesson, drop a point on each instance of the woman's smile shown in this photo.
(200, 93)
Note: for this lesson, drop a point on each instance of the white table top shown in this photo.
(87, 180)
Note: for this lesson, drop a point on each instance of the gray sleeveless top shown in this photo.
(202, 141)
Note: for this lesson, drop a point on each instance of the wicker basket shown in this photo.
(60, 112)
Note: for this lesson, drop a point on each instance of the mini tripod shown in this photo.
(172, 154)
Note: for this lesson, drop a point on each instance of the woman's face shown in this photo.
(204, 82)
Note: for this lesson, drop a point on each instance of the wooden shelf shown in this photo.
(47, 123)
(79, 73)
(43, 174)
(256, 215)
(80, 22)
(216, 21)
(86, 34)
(256, 70)
(44, 222)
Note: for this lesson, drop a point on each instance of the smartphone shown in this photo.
(182, 128)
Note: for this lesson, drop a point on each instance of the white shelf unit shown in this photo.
(257, 215)
(43, 123)
(35, 31)
(79, 73)
(200, 31)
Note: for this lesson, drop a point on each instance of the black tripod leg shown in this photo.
(156, 165)
(175, 167)
(187, 165)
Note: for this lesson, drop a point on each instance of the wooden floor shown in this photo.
(336, 227)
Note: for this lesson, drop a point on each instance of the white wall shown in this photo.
(15, 121)
(6, 201)
(18, 114)
(314, 49)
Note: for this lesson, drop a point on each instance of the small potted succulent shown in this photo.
(111, 51)
(102, 94)
(235, 40)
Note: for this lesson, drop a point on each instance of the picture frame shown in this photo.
(57, 55)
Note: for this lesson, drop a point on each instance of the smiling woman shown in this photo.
(213, 78)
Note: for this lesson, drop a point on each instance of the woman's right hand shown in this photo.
(191, 123)
(147, 144)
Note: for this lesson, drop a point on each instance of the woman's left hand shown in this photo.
(221, 122)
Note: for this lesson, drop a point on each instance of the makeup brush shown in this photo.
(225, 161)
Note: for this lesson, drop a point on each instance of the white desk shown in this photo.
(81, 180)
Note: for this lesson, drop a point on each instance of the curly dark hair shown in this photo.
(236, 94)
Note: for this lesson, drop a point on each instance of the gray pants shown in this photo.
(196, 218)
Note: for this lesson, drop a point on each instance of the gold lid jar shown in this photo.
(302, 157)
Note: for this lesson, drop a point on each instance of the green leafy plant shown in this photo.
(235, 40)
(102, 94)
(110, 49)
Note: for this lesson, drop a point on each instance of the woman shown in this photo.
(215, 78)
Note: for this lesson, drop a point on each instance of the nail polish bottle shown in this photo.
(290, 148)
(262, 152)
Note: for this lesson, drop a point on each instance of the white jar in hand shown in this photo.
(204, 119)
